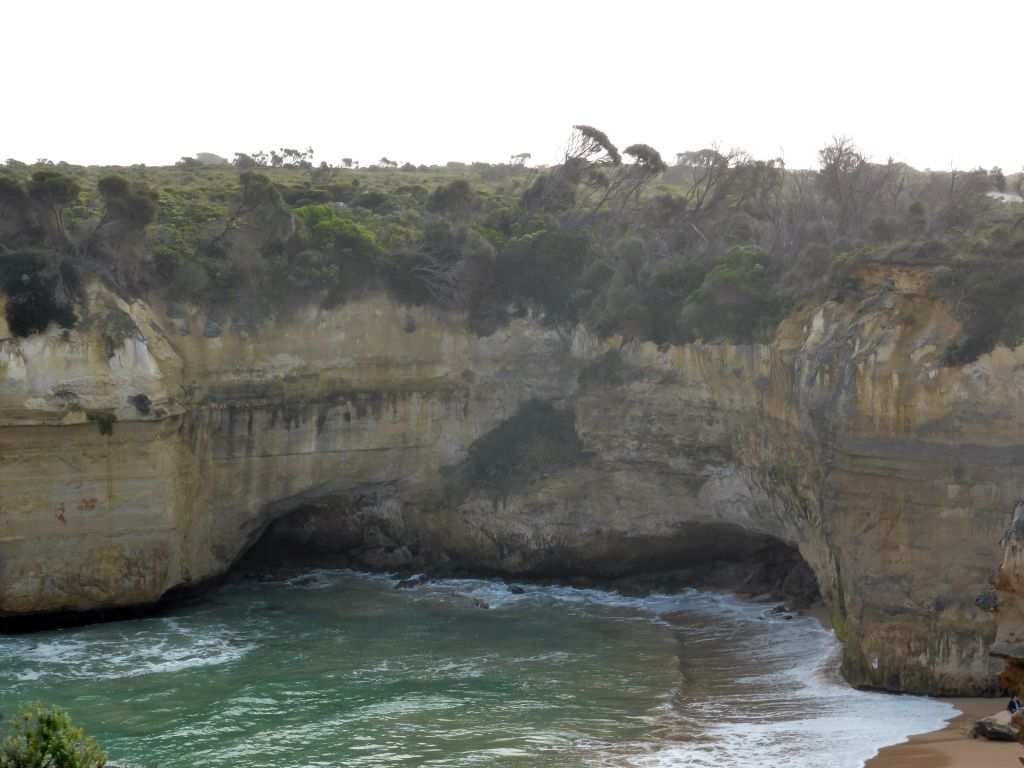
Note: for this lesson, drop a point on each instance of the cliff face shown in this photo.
(846, 437)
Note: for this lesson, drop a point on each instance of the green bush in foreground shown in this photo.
(41, 737)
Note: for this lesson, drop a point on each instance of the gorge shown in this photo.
(147, 449)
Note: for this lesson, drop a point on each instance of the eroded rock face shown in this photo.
(847, 438)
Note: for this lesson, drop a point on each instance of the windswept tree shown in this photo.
(592, 179)
(713, 179)
(619, 186)
(54, 192)
(256, 219)
(294, 158)
(587, 153)
(132, 205)
(112, 245)
(591, 146)
(244, 162)
(646, 165)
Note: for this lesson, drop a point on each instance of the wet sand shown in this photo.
(950, 747)
(820, 613)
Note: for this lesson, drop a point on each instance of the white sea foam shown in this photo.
(790, 708)
(164, 647)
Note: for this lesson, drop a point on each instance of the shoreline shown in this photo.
(950, 746)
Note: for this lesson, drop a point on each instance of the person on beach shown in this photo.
(1014, 705)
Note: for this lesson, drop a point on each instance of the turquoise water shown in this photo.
(346, 670)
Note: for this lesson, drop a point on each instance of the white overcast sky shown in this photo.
(96, 82)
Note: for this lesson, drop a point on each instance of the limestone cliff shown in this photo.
(846, 437)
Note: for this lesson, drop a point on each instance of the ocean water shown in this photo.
(346, 670)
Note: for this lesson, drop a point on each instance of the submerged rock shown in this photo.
(413, 581)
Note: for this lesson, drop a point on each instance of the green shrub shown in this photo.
(372, 201)
(341, 255)
(453, 199)
(669, 287)
(41, 737)
(734, 301)
(544, 269)
(991, 293)
(103, 421)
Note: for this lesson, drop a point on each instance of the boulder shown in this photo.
(995, 727)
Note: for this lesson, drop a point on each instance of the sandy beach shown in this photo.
(950, 747)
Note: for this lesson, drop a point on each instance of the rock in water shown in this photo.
(412, 581)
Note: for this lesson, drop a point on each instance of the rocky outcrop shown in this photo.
(136, 462)
(1008, 602)
(997, 727)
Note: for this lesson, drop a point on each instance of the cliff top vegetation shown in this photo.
(716, 245)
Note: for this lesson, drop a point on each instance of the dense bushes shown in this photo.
(990, 294)
(543, 268)
(41, 737)
(337, 254)
(734, 300)
(716, 248)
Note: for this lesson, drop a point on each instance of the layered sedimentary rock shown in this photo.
(148, 449)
